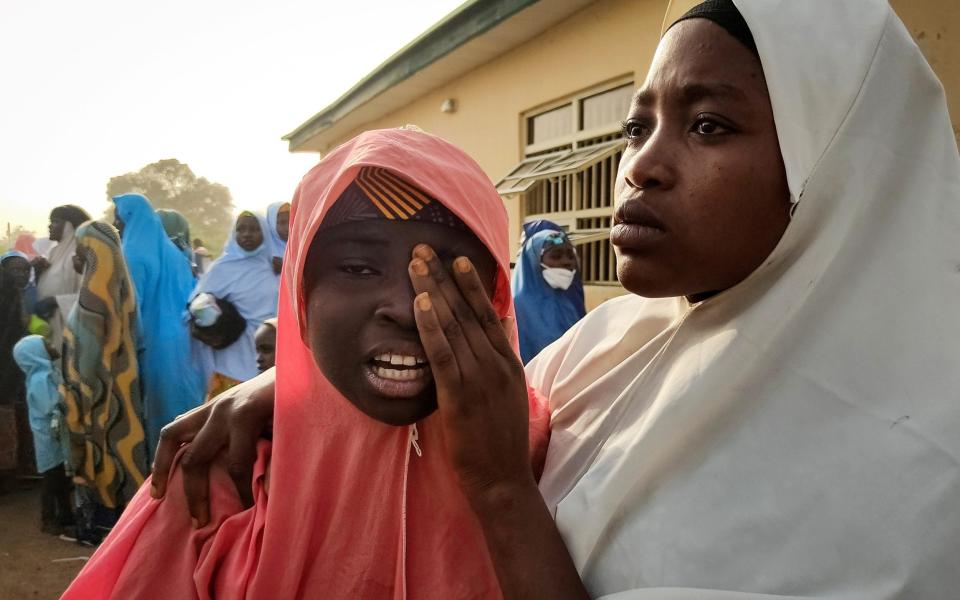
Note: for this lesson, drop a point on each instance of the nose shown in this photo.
(650, 166)
(396, 303)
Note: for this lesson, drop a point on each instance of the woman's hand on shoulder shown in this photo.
(232, 423)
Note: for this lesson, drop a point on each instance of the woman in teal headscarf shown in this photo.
(178, 230)
(173, 381)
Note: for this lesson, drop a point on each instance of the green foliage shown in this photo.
(170, 183)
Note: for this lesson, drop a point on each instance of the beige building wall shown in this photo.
(606, 41)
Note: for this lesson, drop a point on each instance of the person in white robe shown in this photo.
(58, 282)
(796, 435)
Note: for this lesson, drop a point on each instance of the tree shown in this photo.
(170, 183)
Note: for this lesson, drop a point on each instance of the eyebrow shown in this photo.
(694, 92)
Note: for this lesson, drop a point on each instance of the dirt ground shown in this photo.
(33, 565)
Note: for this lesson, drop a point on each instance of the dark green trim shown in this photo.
(472, 19)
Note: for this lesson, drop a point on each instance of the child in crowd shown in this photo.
(361, 500)
(35, 357)
(266, 342)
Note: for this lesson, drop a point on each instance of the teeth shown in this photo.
(398, 374)
(400, 359)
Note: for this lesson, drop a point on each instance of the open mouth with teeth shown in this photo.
(400, 367)
(399, 375)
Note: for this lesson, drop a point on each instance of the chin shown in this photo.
(396, 412)
(642, 280)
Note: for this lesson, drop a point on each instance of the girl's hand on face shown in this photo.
(481, 387)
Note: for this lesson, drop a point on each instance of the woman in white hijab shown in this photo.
(58, 282)
(773, 413)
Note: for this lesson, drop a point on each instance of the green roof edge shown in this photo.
(471, 19)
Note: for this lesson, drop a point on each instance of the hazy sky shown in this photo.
(89, 90)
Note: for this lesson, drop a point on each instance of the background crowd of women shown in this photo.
(102, 344)
(110, 331)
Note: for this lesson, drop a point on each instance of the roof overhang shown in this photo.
(474, 34)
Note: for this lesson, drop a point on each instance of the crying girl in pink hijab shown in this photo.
(354, 496)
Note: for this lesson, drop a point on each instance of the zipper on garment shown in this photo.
(413, 438)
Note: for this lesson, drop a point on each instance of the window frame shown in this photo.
(578, 137)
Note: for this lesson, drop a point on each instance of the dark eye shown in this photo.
(634, 130)
(359, 270)
(707, 126)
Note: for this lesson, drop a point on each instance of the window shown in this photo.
(551, 125)
(572, 150)
(604, 108)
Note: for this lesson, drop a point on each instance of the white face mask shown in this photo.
(558, 279)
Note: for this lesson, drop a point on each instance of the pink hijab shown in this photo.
(346, 506)
(24, 244)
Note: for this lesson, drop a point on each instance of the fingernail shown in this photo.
(195, 523)
(423, 251)
(420, 267)
(462, 264)
(154, 491)
(423, 302)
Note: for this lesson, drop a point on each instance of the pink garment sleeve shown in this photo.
(154, 552)
(539, 430)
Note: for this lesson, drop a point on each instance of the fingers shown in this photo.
(172, 436)
(196, 487)
(455, 326)
(195, 463)
(241, 454)
(443, 361)
(476, 297)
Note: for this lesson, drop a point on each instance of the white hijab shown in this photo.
(799, 434)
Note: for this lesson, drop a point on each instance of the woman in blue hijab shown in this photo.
(244, 277)
(278, 227)
(547, 290)
(173, 380)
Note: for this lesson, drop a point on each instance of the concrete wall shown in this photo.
(608, 40)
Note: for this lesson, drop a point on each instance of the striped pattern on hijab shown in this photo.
(377, 193)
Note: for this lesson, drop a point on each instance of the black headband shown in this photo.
(725, 14)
